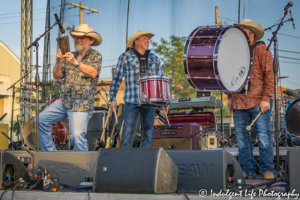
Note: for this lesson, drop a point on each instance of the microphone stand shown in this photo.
(37, 81)
(275, 70)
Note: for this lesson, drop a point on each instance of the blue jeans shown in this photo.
(242, 119)
(131, 112)
(77, 121)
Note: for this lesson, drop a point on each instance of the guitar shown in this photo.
(109, 139)
(99, 142)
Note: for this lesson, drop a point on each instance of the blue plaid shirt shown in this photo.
(129, 66)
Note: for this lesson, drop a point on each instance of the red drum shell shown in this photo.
(154, 90)
(59, 136)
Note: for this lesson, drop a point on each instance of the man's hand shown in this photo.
(263, 106)
(59, 56)
(70, 58)
(114, 105)
(230, 107)
(165, 109)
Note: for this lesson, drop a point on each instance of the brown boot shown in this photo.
(249, 176)
(268, 176)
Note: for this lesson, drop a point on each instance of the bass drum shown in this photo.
(292, 120)
(218, 58)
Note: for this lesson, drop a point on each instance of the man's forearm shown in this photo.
(57, 73)
(88, 70)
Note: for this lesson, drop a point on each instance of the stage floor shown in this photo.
(259, 193)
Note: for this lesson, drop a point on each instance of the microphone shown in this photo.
(62, 30)
(292, 19)
(289, 4)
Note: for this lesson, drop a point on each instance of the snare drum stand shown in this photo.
(278, 175)
(37, 81)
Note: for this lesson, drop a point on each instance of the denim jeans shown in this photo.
(242, 119)
(77, 121)
(131, 112)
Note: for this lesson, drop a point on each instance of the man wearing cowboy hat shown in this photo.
(81, 71)
(246, 107)
(136, 61)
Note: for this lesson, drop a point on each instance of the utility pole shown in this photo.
(81, 8)
(217, 15)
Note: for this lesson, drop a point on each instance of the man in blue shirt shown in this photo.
(136, 59)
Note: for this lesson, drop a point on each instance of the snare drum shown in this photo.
(218, 58)
(154, 90)
(292, 120)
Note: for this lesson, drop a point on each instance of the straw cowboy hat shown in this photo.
(87, 30)
(253, 26)
(135, 36)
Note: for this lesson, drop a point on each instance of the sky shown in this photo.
(161, 17)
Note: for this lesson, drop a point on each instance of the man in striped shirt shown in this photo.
(131, 66)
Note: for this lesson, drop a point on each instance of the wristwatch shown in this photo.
(77, 64)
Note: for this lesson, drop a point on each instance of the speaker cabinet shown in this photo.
(71, 166)
(135, 170)
(183, 144)
(210, 170)
(11, 171)
(292, 166)
(174, 137)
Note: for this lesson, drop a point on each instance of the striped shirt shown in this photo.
(129, 66)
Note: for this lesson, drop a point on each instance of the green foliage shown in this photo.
(171, 54)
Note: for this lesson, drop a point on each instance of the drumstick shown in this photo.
(167, 118)
(116, 116)
(249, 127)
(232, 124)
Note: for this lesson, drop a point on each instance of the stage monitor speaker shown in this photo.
(12, 169)
(210, 170)
(135, 170)
(292, 166)
(71, 166)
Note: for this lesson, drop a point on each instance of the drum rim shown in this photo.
(284, 121)
(215, 66)
(153, 77)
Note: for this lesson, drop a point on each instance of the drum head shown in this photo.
(234, 58)
(29, 134)
(292, 119)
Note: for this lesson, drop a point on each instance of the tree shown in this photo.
(171, 54)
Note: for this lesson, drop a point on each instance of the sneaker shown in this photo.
(249, 176)
(268, 176)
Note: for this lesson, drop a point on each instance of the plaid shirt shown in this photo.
(129, 66)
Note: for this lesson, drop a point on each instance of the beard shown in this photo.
(79, 46)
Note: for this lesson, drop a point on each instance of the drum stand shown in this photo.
(278, 175)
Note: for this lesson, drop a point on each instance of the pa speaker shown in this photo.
(211, 170)
(71, 167)
(11, 171)
(135, 170)
(292, 166)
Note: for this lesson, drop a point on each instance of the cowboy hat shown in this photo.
(253, 26)
(87, 30)
(135, 36)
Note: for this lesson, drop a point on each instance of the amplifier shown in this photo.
(165, 136)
